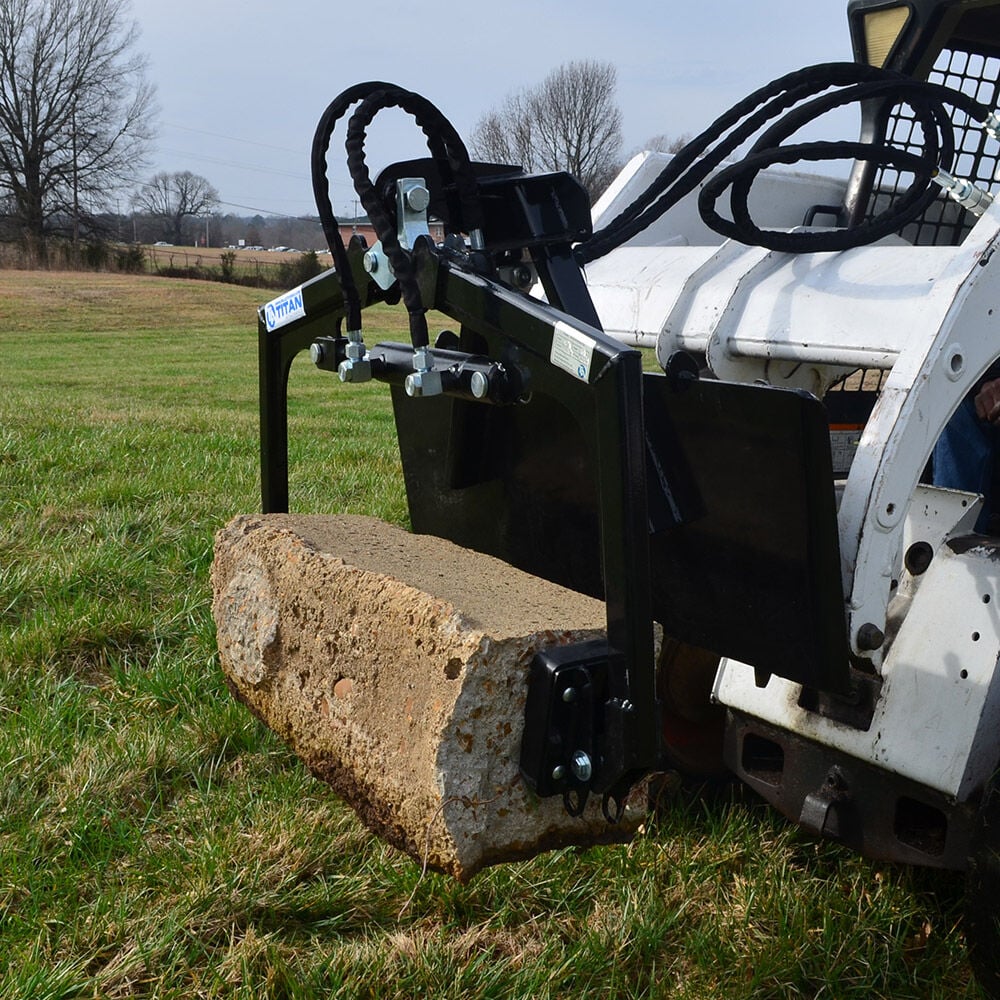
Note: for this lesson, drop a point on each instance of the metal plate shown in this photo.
(743, 534)
(753, 573)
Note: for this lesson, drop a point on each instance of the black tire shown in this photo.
(692, 725)
(982, 894)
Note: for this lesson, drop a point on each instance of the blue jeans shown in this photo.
(964, 457)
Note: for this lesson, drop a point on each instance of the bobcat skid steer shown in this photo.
(833, 617)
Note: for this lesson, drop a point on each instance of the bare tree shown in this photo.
(172, 199)
(663, 143)
(74, 109)
(570, 121)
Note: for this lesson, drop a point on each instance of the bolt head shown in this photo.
(316, 352)
(370, 261)
(558, 772)
(418, 198)
(582, 766)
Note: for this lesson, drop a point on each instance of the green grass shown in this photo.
(155, 841)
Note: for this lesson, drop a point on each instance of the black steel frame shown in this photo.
(619, 483)
(610, 401)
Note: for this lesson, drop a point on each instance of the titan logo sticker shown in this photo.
(284, 310)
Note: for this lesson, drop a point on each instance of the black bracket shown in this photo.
(822, 809)
(563, 722)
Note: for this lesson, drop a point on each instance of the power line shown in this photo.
(233, 138)
(271, 211)
(234, 163)
(217, 161)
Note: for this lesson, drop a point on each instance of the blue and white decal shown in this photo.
(285, 309)
(572, 351)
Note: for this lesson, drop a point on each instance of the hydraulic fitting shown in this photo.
(357, 367)
(992, 125)
(967, 194)
(423, 381)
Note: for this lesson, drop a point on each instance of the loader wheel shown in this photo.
(692, 725)
(982, 892)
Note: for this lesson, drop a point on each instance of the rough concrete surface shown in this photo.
(395, 665)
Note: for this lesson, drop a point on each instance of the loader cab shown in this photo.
(955, 43)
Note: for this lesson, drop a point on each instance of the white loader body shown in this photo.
(929, 316)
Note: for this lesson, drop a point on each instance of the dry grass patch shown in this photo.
(49, 303)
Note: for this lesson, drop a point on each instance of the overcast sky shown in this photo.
(242, 83)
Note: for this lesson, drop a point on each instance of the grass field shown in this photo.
(155, 841)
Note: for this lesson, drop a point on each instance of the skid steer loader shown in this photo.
(768, 498)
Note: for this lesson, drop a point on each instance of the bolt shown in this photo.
(370, 261)
(569, 694)
(835, 780)
(418, 198)
(480, 385)
(316, 352)
(581, 766)
(558, 772)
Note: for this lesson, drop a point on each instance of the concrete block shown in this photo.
(395, 665)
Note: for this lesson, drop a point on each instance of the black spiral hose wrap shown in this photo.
(448, 150)
(783, 97)
(795, 99)
(450, 155)
(336, 109)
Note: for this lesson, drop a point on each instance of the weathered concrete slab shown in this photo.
(395, 665)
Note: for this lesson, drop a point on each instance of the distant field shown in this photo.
(211, 255)
(156, 842)
(263, 267)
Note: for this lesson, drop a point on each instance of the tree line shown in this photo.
(77, 113)
(218, 229)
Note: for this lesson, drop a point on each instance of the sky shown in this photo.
(241, 84)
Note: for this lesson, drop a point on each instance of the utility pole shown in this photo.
(76, 186)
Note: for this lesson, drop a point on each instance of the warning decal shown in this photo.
(572, 351)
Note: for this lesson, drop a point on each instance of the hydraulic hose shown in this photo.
(783, 99)
(774, 113)
(450, 155)
(336, 109)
